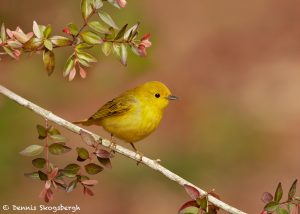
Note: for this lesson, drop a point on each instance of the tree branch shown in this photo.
(119, 149)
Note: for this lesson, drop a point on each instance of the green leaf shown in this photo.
(57, 149)
(97, 26)
(73, 28)
(93, 169)
(21, 37)
(107, 48)
(47, 31)
(190, 210)
(42, 176)
(121, 32)
(39, 162)
(91, 38)
(117, 49)
(3, 33)
(14, 44)
(83, 46)
(69, 65)
(48, 44)
(97, 4)
(42, 131)
(71, 170)
(83, 62)
(131, 31)
(123, 54)
(32, 150)
(33, 44)
(281, 211)
(111, 35)
(86, 56)
(58, 138)
(72, 185)
(60, 41)
(33, 175)
(292, 190)
(86, 8)
(49, 61)
(271, 206)
(105, 17)
(42, 29)
(36, 30)
(202, 202)
(54, 131)
(105, 162)
(82, 153)
(278, 194)
(9, 52)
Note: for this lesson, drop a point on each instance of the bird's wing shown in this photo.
(115, 107)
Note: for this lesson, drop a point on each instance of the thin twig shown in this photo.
(119, 149)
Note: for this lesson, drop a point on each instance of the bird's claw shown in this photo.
(140, 157)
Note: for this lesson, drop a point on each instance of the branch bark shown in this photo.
(153, 164)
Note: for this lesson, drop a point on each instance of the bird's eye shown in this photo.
(157, 95)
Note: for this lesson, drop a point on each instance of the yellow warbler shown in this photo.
(134, 114)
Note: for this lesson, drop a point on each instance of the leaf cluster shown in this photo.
(199, 203)
(102, 32)
(68, 177)
(275, 204)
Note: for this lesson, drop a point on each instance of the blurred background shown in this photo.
(235, 66)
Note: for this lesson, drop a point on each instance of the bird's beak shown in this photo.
(171, 97)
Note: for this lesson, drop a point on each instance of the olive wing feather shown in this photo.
(115, 107)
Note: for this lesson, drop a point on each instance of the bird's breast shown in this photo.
(135, 125)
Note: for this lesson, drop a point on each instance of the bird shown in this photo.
(134, 114)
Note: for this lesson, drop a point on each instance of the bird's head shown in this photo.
(156, 93)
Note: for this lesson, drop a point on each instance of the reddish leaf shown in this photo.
(49, 195)
(72, 74)
(267, 197)
(53, 174)
(89, 182)
(82, 72)
(88, 191)
(42, 193)
(48, 184)
(87, 138)
(191, 191)
(101, 153)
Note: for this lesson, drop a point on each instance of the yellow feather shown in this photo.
(134, 114)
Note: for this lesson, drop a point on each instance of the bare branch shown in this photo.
(119, 149)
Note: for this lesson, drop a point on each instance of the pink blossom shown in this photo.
(122, 3)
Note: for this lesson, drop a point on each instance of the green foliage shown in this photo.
(54, 177)
(275, 205)
(103, 32)
(199, 202)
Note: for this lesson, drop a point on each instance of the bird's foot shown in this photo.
(139, 157)
(113, 144)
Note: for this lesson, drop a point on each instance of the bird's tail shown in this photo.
(86, 122)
